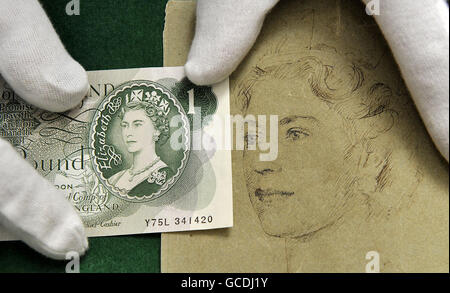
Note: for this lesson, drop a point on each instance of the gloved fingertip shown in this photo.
(200, 74)
(65, 87)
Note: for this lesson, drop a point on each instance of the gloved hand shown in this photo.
(35, 63)
(417, 32)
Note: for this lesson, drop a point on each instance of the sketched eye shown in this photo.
(296, 133)
(123, 125)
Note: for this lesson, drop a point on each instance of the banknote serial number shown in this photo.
(178, 221)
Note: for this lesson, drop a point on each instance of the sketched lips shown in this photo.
(261, 194)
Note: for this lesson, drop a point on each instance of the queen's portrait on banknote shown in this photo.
(130, 141)
(143, 124)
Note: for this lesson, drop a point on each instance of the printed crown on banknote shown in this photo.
(151, 97)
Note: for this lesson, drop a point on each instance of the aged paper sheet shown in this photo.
(357, 184)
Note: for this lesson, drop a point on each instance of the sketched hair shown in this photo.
(158, 119)
(341, 86)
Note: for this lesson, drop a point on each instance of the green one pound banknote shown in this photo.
(128, 157)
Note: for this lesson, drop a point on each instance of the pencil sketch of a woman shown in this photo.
(338, 163)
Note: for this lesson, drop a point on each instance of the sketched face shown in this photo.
(304, 189)
(137, 130)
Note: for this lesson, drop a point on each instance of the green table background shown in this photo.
(108, 34)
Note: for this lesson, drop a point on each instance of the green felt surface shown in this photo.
(108, 34)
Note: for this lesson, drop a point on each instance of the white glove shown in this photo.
(417, 32)
(35, 63)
